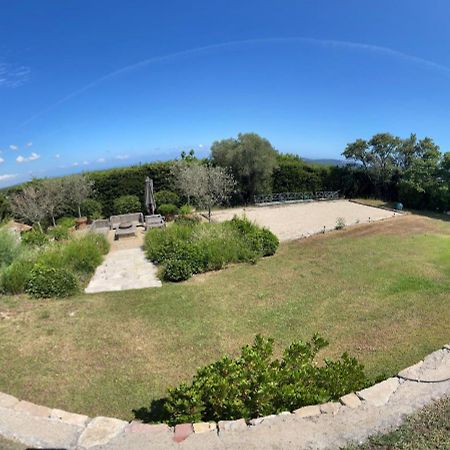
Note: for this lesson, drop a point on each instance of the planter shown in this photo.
(81, 223)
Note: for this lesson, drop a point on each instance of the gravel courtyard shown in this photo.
(299, 220)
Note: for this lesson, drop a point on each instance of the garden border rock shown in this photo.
(356, 416)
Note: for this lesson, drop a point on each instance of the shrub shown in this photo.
(266, 242)
(85, 254)
(254, 384)
(167, 209)
(15, 277)
(92, 209)
(66, 222)
(127, 204)
(167, 197)
(185, 210)
(340, 223)
(9, 247)
(34, 238)
(59, 233)
(46, 282)
(177, 269)
(193, 247)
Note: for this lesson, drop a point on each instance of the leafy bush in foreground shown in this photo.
(189, 247)
(15, 277)
(45, 282)
(59, 233)
(9, 247)
(254, 384)
(35, 238)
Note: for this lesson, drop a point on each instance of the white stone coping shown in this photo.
(37, 425)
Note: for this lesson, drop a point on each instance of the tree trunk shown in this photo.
(209, 213)
(53, 220)
(79, 211)
(40, 227)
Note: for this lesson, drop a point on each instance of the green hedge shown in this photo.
(113, 183)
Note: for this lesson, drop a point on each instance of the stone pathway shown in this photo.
(122, 270)
(329, 426)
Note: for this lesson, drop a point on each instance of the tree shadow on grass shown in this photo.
(155, 413)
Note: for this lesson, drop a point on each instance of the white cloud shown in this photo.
(101, 160)
(122, 157)
(29, 144)
(12, 76)
(33, 157)
(75, 164)
(7, 176)
(57, 156)
(13, 147)
(2, 160)
(200, 145)
(85, 163)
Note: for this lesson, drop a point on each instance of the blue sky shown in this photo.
(86, 85)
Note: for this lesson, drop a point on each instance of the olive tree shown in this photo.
(77, 188)
(207, 185)
(30, 204)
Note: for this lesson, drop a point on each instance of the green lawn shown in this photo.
(427, 430)
(379, 291)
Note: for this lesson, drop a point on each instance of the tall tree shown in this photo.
(77, 189)
(251, 160)
(207, 185)
(377, 156)
(54, 197)
(30, 204)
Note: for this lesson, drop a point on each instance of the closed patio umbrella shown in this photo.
(150, 203)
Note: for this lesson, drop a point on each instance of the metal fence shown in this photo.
(295, 197)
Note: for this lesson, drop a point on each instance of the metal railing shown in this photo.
(295, 197)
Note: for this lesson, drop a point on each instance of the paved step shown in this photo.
(122, 270)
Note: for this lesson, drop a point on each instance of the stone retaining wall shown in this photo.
(330, 425)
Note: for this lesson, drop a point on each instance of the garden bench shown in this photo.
(137, 219)
(100, 226)
(125, 229)
(154, 221)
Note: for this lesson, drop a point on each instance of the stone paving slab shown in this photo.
(122, 270)
(100, 431)
(434, 368)
(37, 431)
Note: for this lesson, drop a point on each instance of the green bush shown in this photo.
(254, 384)
(185, 210)
(85, 254)
(9, 247)
(167, 197)
(59, 233)
(127, 204)
(193, 247)
(92, 209)
(177, 269)
(46, 282)
(35, 238)
(15, 277)
(66, 222)
(167, 209)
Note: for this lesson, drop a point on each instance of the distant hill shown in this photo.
(326, 162)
